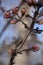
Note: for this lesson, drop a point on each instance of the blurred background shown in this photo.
(16, 32)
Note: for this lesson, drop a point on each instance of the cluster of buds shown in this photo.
(13, 12)
(8, 14)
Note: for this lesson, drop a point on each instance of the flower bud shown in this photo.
(13, 21)
(7, 15)
(35, 48)
(14, 10)
(23, 11)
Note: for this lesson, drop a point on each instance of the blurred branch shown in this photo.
(36, 4)
(2, 9)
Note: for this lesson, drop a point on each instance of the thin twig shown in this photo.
(24, 40)
(25, 50)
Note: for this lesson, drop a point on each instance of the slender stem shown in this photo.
(12, 58)
(24, 40)
(24, 50)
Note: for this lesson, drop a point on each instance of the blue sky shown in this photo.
(39, 36)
